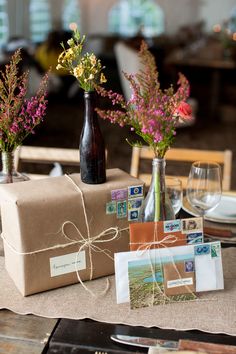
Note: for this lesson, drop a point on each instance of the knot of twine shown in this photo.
(91, 244)
(144, 246)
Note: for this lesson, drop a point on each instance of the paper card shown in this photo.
(182, 232)
(147, 283)
(67, 263)
(179, 278)
(207, 266)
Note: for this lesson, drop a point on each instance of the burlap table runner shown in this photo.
(214, 312)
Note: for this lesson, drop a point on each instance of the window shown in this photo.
(232, 20)
(129, 17)
(3, 22)
(71, 14)
(40, 20)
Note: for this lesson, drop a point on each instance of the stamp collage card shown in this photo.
(125, 202)
(169, 274)
(168, 233)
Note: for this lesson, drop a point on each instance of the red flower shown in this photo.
(184, 110)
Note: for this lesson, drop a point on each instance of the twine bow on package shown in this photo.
(58, 231)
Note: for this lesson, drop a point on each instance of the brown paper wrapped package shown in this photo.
(33, 213)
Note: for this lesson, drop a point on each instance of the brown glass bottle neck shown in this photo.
(90, 99)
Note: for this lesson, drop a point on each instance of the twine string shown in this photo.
(88, 242)
(165, 242)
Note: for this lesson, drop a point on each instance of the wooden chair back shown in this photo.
(45, 155)
(223, 158)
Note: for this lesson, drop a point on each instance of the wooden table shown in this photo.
(29, 334)
(24, 334)
(33, 335)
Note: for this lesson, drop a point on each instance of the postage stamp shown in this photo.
(189, 266)
(195, 237)
(111, 207)
(119, 194)
(135, 191)
(121, 210)
(201, 250)
(192, 224)
(134, 203)
(215, 250)
(133, 215)
(172, 225)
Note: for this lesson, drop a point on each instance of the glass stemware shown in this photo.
(204, 186)
(175, 193)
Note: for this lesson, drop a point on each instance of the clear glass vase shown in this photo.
(9, 173)
(157, 205)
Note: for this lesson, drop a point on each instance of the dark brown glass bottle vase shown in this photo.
(92, 147)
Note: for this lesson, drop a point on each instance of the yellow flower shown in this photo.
(86, 68)
(102, 78)
(61, 57)
(59, 66)
(71, 42)
(69, 55)
(78, 71)
(93, 59)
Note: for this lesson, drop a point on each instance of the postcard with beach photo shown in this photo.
(157, 281)
(142, 277)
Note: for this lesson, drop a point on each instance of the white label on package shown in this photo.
(179, 282)
(67, 263)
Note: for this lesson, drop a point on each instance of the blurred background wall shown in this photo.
(94, 14)
(196, 37)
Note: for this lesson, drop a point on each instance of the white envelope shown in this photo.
(208, 265)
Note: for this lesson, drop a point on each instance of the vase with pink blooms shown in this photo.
(19, 115)
(153, 114)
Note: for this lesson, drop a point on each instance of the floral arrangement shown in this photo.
(18, 116)
(86, 68)
(151, 112)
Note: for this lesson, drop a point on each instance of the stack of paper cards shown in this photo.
(182, 232)
(169, 274)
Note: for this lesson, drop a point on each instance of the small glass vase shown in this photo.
(8, 173)
(157, 205)
(92, 147)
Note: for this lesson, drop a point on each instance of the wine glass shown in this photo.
(175, 192)
(204, 186)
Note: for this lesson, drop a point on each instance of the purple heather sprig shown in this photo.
(151, 112)
(19, 116)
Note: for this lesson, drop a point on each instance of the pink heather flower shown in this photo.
(151, 112)
(18, 116)
(152, 122)
(14, 128)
